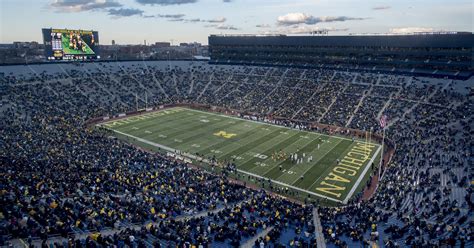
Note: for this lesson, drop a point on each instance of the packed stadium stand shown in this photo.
(434, 55)
(66, 184)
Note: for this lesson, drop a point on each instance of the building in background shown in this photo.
(33, 52)
(162, 44)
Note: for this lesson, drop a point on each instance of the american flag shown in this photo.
(383, 121)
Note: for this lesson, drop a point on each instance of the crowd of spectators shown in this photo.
(66, 184)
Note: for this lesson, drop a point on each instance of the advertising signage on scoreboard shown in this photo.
(70, 44)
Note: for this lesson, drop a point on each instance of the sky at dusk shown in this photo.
(133, 21)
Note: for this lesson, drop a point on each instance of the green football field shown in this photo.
(328, 167)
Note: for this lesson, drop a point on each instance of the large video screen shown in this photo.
(68, 44)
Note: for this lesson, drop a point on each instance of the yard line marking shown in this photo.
(242, 140)
(264, 149)
(295, 167)
(127, 120)
(271, 124)
(185, 128)
(241, 171)
(217, 127)
(324, 172)
(272, 167)
(321, 157)
(246, 143)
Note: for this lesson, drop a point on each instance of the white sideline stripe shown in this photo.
(354, 187)
(290, 186)
(241, 171)
(145, 141)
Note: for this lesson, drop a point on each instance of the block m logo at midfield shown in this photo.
(225, 134)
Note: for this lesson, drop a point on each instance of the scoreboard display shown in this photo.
(69, 44)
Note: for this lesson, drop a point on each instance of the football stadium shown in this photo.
(276, 132)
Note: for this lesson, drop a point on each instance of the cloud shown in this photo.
(303, 29)
(309, 30)
(217, 20)
(381, 7)
(293, 18)
(405, 30)
(180, 18)
(123, 12)
(194, 20)
(262, 25)
(302, 18)
(173, 16)
(83, 5)
(226, 27)
(165, 2)
(170, 17)
(221, 26)
(176, 20)
(227, 1)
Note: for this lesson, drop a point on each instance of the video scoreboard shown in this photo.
(70, 44)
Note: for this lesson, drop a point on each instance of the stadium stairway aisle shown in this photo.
(318, 229)
(251, 242)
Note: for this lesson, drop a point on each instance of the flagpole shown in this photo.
(381, 153)
(136, 101)
(370, 134)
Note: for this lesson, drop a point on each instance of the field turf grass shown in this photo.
(254, 147)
